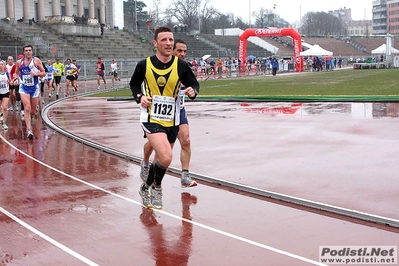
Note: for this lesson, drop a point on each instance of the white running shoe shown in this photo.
(186, 180)
(156, 197)
(30, 134)
(145, 196)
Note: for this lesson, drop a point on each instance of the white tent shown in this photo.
(315, 50)
(383, 50)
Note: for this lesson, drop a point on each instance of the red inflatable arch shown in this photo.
(296, 40)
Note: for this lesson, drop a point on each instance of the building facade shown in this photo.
(344, 14)
(359, 28)
(108, 12)
(393, 17)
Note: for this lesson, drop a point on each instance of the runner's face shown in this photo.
(28, 52)
(164, 43)
(2, 66)
(180, 50)
(10, 61)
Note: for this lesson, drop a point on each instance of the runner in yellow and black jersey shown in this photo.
(162, 75)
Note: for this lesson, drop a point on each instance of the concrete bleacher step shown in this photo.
(339, 47)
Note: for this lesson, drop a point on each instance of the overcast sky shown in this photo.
(289, 10)
(292, 10)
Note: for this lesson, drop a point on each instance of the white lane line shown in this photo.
(49, 239)
(285, 253)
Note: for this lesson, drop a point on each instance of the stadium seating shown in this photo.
(48, 43)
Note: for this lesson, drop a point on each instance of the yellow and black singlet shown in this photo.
(162, 81)
(162, 85)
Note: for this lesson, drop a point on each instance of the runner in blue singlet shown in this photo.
(27, 72)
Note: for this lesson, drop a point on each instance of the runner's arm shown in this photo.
(136, 81)
(39, 65)
(16, 73)
(188, 79)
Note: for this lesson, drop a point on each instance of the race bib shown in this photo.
(28, 80)
(57, 71)
(181, 98)
(3, 85)
(163, 108)
(49, 75)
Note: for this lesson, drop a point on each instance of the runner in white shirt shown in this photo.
(12, 88)
(4, 93)
(114, 72)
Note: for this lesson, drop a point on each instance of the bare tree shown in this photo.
(211, 19)
(222, 21)
(185, 11)
(228, 21)
(321, 24)
(155, 13)
(263, 17)
(295, 25)
(239, 23)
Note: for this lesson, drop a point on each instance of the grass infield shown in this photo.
(342, 85)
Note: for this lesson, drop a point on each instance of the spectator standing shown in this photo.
(148, 23)
(102, 25)
(219, 64)
(138, 24)
(339, 62)
(274, 64)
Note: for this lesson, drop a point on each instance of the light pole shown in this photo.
(249, 13)
(274, 15)
(135, 13)
(199, 20)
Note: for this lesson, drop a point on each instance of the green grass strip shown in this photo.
(343, 85)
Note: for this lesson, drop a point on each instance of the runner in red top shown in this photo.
(100, 73)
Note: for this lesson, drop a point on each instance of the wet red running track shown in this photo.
(76, 205)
